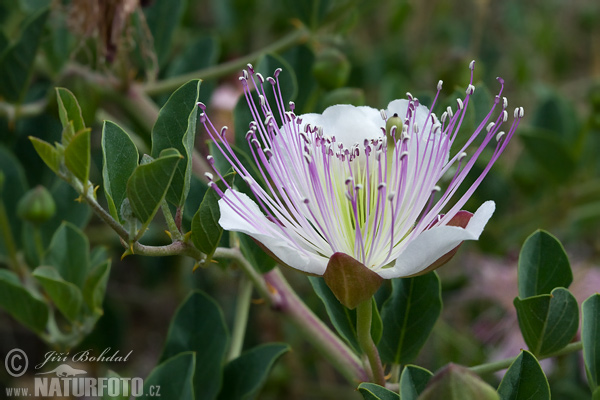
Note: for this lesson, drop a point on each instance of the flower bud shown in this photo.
(36, 206)
(331, 69)
(393, 130)
(454, 382)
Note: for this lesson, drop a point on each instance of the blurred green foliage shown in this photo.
(123, 59)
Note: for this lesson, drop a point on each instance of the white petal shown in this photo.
(430, 245)
(268, 233)
(349, 124)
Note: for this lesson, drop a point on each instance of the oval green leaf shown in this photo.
(408, 317)
(78, 155)
(149, 183)
(548, 322)
(176, 128)
(543, 265)
(206, 231)
(413, 381)
(66, 296)
(119, 159)
(590, 336)
(21, 304)
(524, 380)
(199, 326)
(244, 376)
(372, 391)
(69, 254)
(172, 379)
(47, 153)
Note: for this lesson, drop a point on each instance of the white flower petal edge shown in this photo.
(432, 244)
(231, 220)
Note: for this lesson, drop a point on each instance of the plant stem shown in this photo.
(168, 85)
(503, 364)
(242, 309)
(37, 240)
(236, 255)
(6, 233)
(364, 316)
(173, 230)
(285, 301)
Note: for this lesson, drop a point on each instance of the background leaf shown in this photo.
(408, 317)
(176, 128)
(16, 62)
(524, 380)
(543, 265)
(163, 17)
(548, 322)
(173, 378)
(590, 336)
(244, 376)
(371, 391)
(21, 304)
(65, 295)
(413, 381)
(94, 288)
(69, 254)
(119, 160)
(199, 326)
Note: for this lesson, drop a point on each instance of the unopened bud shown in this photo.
(36, 206)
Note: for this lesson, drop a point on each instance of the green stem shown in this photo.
(167, 85)
(173, 230)
(240, 321)
(364, 316)
(236, 255)
(503, 364)
(37, 240)
(9, 242)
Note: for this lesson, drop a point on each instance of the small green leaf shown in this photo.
(550, 153)
(16, 62)
(524, 380)
(65, 295)
(455, 382)
(590, 336)
(69, 110)
(206, 335)
(350, 281)
(69, 254)
(413, 381)
(94, 287)
(149, 183)
(548, 322)
(372, 391)
(78, 156)
(244, 376)
(176, 128)
(543, 265)
(206, 231)
(408, 317)
(163, 17)
(172, 379)
(343, 319)
(119, 159)
(47, 153)
(21, 304)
